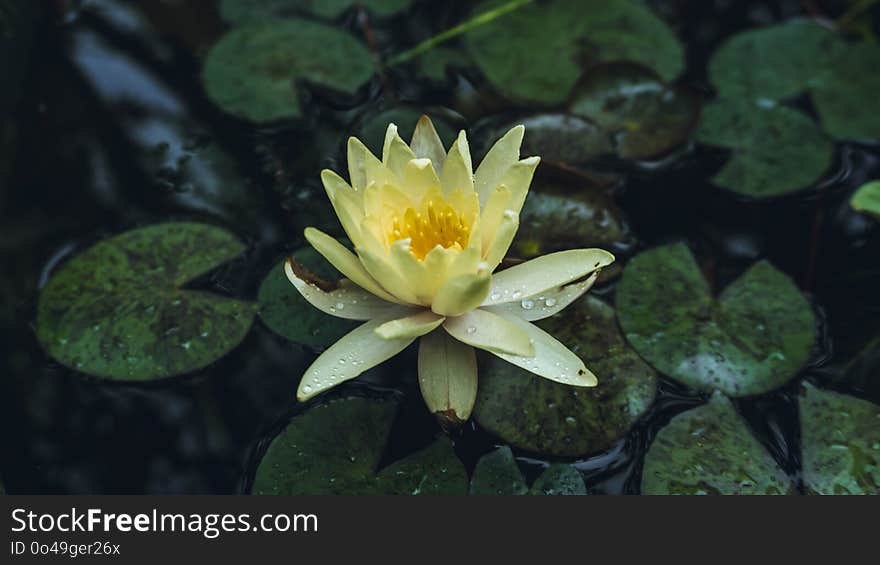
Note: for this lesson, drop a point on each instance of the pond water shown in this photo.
(115, 127)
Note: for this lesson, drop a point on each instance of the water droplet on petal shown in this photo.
(527, 304)
(550, 302)
(471, 330)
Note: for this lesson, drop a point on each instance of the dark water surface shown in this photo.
(116, 132)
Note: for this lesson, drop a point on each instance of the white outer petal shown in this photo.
(447, 374)
(544, 304)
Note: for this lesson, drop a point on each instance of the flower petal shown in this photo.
(419, 178)
(345, 203)
(546, 272)
(491, 216)
(485, 330)
(346, 263)
(396, 153)
(447, 375)
(415, 325)
(426, 143)
(544, 304)
(457, 172)
(552, 360)
(349, 301)
(357, 351)
(517, 179)
(381, 269)
(359, 157)
(462, 293)
(497, 161)
(503, 238)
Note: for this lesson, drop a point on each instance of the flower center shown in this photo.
(437, 223)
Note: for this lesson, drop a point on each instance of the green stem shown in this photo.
(461, 28)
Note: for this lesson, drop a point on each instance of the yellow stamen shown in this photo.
(436, 223)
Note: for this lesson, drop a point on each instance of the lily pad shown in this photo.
(542, 416)
(556, 217)
(252, 72)
(867, 199)
(497, 473)
(775, 150)
(288, 314)
(248, 11)
(840, 439)
(434, 63)
(537, 53)
(774, 62)
(118, 310)
(846, 97)
(336, 448)
(642, 115)
(562, 138)
(754, 338)
(709, 450)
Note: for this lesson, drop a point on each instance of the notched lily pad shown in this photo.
(840, 443)
(253, 70)
(248, 11)
(118, 310)
(537, 52)
(336, 448)
(846, 97)
(546, 417)
(867, 199)
(709, 450)
(642, 116)
(774, 62)
(497, 473)
(754, 338)
(775, 150)
(288, 314)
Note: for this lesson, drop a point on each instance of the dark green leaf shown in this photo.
(559, 479)
(774, 150)
(840, 442)
(497, 473)
(536, 53)
(709, 450)
(287, 313)
(867, 199)
(118, 310)
(248, 11)
(253, 70)
(335, 448)
(547, 417)
(753, 339)
(846, 97)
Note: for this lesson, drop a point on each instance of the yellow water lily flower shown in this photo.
(428, 233)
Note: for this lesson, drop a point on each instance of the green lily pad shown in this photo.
(118, 310)
(497, 473)
(559, 479)
(433, 64)
(846, 97)
(537, 53)
(253, 70)
(283, 309)
(867, 199)
(774, 62)
(840, 443)
(754, 338)
(775, 150)
(249, 11)
(335, 448)
(556, 217)
(642, 115)
(550, 418)
(709, 450)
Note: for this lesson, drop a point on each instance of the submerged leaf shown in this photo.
(642, 116)
(867, 199)
(497, 473)
(709, 450)
(753, 339)
(536, 53)
(840, 443)
(118, 310)
(542, 416)
(335, 448)
(252, 72)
